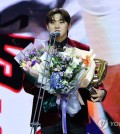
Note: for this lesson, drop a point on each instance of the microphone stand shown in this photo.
(35, 124)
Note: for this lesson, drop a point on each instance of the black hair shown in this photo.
(64, 14)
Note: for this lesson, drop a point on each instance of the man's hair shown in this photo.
(64, 14)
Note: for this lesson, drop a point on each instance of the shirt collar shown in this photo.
(60, 45)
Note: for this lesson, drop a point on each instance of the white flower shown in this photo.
(76, 62)
(69, 70)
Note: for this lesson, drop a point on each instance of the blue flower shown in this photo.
(55, 81)
(26, 58)
(34, 62)
(33, 52)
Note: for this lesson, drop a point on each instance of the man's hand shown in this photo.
(98, 96)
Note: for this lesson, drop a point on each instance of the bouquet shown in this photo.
(60, 73)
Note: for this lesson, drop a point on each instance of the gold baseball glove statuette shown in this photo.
(100, 72)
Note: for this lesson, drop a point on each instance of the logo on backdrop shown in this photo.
(11, 75)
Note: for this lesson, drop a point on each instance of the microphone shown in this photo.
(55, 34)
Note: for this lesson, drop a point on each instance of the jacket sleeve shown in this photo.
(29, 87)
(102, 87)
(86, 94)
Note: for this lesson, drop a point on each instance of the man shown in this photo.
(58, 20)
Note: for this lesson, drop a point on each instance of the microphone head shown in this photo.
(57, 33)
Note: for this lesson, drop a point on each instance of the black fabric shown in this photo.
(71, 128)
(59, 45)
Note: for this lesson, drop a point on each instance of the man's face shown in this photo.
(58, 24)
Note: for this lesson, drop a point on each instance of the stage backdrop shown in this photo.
(94, 23)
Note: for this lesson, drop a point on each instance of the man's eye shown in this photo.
(62, 21)
(52, 22)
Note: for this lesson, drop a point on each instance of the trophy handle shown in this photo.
(100, 72)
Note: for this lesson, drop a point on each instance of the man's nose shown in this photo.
(57, 25)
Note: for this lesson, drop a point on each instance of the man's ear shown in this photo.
(69, 26)
(47, 27)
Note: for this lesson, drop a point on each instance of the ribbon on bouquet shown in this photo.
(67, 106)
(64, 109)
